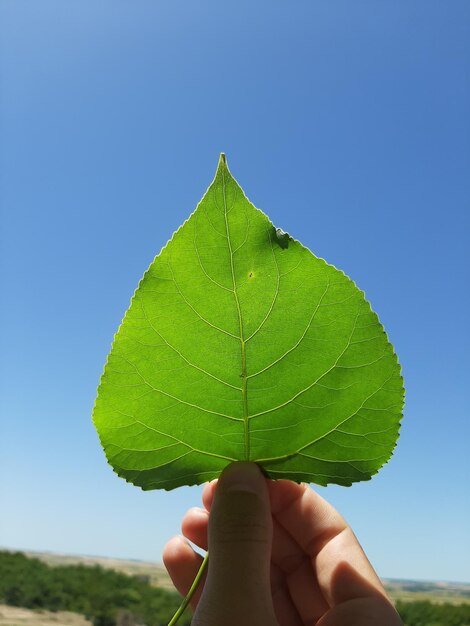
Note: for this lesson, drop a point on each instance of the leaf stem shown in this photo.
(189, 595)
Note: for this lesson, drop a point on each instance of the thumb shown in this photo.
(238, 589)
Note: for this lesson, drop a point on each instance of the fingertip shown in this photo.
(208, 493)
(174, 549)
(242, 476)
(283, 492)
(194, 526)
(195, 513)
(182, 564)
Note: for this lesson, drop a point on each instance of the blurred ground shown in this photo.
(14, 616)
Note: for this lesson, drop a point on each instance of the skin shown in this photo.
(280, 555)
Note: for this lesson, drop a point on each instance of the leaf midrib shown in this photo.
(240, 322)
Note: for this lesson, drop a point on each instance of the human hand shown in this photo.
(280, 555)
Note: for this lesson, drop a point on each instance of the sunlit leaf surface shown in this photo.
(239, 343)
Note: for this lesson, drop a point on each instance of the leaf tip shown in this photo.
(222, 159)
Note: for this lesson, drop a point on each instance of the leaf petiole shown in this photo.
(189, 595)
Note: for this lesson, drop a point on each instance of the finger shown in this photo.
(325, 537)
(194, 526)
(301, 525)
(208, 494)
(240, 536)
(286, 613)
(299, 577)
(300, 587)
(182, 564)
(295, 584)
(292, 529)
(362, 612)
(304, 514)
(344, 572)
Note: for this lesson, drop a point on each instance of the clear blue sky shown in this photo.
(347, 123)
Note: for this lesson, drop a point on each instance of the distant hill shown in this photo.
(155, 573)
(438, 592)
(50, 589)
(65, 590)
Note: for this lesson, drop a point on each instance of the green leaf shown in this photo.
(239, 343)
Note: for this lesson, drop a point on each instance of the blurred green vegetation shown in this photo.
(105, 597)
(430, 614)
(110, 598)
